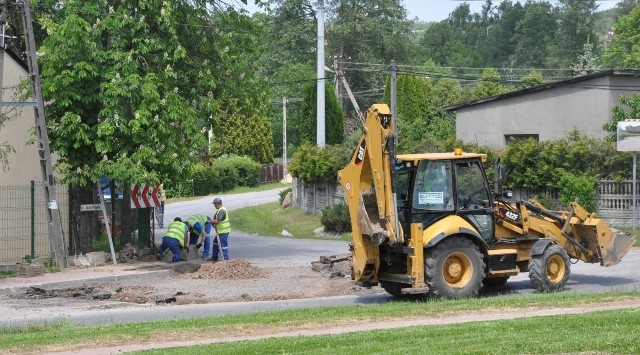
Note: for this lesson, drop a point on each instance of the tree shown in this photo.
(132, 86)
(624, 52)
(334, 120)
(367, 31)
(575, 28)
(587, 62)
(490, 85)
(534, 35)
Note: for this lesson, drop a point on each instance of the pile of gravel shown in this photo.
(229, 270)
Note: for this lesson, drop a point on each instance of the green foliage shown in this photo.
(283, 194)
(248, 170)
(306, 124)
(619, 113)
(623, 51)
(336, 218)
(534, 78)
(203, 179)
(311, 163)
(225, 175)
(540, 165)
(582, 187)
(490, 85)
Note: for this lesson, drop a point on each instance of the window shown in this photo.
(433, 186)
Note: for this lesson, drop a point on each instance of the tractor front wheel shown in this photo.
(454, 268)
(550, 271)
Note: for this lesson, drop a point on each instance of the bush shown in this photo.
(582, 187)
(225, 177)
(311, 164)
(248, 170)
(336, 218)
(202, 180)
(283, 194)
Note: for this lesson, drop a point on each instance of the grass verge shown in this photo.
(602, 331)
(271, 219)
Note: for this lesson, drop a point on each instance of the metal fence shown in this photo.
(24, 228)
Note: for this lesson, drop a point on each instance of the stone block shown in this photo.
(29, 270)
(96, 258)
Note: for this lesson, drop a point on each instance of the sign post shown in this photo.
(628, 140)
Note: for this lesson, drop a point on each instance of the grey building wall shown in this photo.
(24, 164)
(549, 113)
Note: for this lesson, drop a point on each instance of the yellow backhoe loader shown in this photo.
(428, 223)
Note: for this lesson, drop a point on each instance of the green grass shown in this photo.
(611, 331)
(6, 274)
(270, 219)
(598, 332)
(237, 190)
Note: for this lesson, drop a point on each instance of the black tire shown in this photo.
(495, 281)
(393, 288)
(454, 268)
(550, 271)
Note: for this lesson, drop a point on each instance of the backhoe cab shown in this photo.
(428, 223)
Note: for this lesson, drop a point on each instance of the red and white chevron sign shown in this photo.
(145, 196)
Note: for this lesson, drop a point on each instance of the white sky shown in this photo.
(437, 10)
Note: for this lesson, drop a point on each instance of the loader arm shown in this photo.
(368, 185)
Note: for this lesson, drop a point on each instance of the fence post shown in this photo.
(33, 219)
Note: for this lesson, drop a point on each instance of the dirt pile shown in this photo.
(237, 269)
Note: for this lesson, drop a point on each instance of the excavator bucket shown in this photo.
(368, 220)
(614, 246)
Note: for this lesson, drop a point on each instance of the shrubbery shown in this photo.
(336, 218)
(311, 164)
(224, 174)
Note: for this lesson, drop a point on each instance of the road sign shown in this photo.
(145, 196)
(92, 207)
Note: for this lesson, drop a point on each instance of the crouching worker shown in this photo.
(199, 225)
(174, 239)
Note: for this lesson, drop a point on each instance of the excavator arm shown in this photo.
(368, 185)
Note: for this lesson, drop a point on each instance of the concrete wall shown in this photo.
(24, 164)
(548, 113)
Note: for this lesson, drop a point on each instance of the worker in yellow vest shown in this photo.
(223, 227)
(174, 239)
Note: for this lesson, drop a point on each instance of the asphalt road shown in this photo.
(264, 251)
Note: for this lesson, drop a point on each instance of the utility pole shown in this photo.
(3, 26)
(284, 138)
(320, 126)
(53, 215)
(394, 107)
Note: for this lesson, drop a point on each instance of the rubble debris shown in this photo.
(229, 270)
(131, 252)
(334, 265)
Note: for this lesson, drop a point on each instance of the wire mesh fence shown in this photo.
(24, 225)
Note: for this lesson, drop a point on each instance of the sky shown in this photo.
(437, 10)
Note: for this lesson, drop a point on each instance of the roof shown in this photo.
(440, 156)
(575, 80)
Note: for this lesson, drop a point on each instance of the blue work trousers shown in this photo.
(224, 242)
(173, 245)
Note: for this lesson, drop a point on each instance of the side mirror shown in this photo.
(507, 194)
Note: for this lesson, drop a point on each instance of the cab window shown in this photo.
(433, 186)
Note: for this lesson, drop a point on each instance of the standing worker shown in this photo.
(223, 227)
(200, 226)
(174, 240)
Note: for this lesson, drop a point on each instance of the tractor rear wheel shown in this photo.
(454, 268)
(550, 271)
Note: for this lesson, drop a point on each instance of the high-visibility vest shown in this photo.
(197, 218)
(176, 231)
(223, 226)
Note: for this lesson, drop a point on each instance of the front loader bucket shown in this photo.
(614, 247)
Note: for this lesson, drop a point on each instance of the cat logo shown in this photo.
(360, 156)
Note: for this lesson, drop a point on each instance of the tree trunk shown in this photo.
(128, 219)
